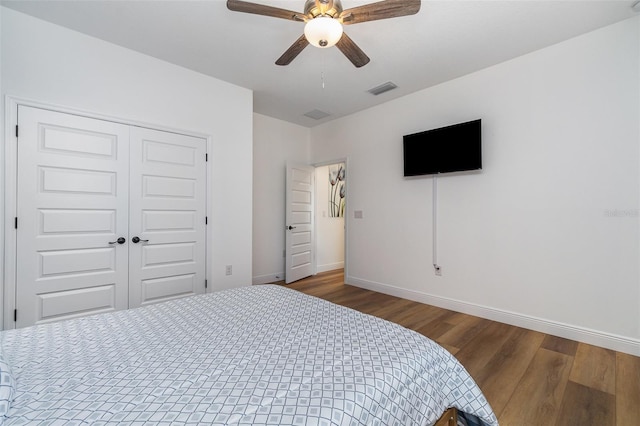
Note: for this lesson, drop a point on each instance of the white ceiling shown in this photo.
(445, 40)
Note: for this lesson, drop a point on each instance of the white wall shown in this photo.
(2, 160)
(275, 142)
(547, 235)
(638, 88)
(53, 65)
(329, 230)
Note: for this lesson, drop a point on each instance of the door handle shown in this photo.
(120, 240)
(290, 227)
(136, 240)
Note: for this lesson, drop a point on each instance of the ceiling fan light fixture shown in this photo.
(323, 31)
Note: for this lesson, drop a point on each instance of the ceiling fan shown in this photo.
(324, 20)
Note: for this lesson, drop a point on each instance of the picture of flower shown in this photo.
(337, 190)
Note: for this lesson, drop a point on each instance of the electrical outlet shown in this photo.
(228, 270)
(438, 270)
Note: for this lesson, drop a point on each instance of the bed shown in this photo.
(260, 355)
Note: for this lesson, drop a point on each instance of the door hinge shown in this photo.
(16, 130)
(15, 223)
(206, 157)
(15, 315)
(205, 283)
(206, 220)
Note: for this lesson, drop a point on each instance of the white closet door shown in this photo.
(72, 206)
(167, 214)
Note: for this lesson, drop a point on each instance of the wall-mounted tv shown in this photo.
(453, 148)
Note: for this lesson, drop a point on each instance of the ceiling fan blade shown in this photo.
(261, 9)
(293, 51)
(352, 51)
(380, 10)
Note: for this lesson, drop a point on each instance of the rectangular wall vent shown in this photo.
(385, 87)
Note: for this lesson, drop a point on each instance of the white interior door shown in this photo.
(299, 225)
(72, 206)
(167, 216)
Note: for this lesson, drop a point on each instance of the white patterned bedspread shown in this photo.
(250, 356)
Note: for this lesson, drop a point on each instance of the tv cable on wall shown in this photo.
(434, 215)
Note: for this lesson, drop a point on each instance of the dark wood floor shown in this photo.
(530, 378)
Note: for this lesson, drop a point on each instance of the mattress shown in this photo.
(260, 355)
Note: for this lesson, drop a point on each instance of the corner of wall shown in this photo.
(2, 172)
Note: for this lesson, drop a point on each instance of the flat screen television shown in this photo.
(448, 149)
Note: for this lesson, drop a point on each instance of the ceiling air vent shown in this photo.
(385, 87)
(316, 114)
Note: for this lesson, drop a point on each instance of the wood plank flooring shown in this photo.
(529, 378)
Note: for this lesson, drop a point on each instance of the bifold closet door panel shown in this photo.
(72, 207)
(167, 216)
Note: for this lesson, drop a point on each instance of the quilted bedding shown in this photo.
(256, 355)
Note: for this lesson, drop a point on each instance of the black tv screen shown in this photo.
(453, 148)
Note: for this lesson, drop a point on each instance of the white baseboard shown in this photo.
(329, 267)
(266, 279)
(279, 276)
(593, 337)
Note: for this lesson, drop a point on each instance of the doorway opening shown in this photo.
(316, 230)
(331, 215)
